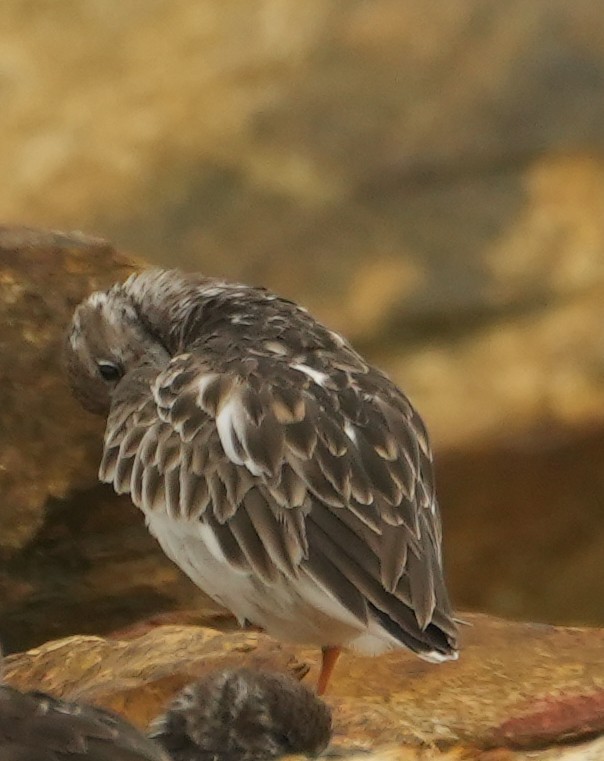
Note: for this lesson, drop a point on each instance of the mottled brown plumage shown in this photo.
(288, 478)
(243, 716)
(37, 727)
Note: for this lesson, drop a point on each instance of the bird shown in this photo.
(35, 725)
(290, 479)
(243, 715)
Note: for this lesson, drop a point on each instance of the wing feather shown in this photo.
(123, 474)
(152, 490)
(252, 546)
(421, 583)
(172, 492)
(304, 471)
(271, 533)
(230, 547)
(37, 726)
(147, 450)
(330, 578)
(194, 495)
(168, 450)
(336, 469)
(108, 463)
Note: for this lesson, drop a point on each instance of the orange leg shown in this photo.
(328, 661)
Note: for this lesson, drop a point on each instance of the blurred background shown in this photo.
(426, 175)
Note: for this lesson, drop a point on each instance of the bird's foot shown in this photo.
(328, 661)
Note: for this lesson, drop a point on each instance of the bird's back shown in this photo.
(243, 715)
(36, 727)
(287, 477)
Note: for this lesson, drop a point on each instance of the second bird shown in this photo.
(286, 476)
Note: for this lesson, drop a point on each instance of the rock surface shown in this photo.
(523, 524)
(519, 690)
(47, 446)
(76, 559)
(425, 175)
(73, 557)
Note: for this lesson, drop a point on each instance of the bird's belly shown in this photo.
(200, 558)
(288, 609)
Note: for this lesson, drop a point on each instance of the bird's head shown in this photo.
(106, 339)
(247, 714)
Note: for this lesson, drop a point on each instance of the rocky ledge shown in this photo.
(520, 691)
(75, 557)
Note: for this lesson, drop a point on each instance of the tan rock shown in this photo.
(47, 447)
(518, 691)
(92, 568)
(523, 524)
(517, 486)
(92, 557)
(137, 677)
(426, 176)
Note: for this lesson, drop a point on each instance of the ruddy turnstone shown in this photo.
(37, 727)
(243, 716)
(290, 479)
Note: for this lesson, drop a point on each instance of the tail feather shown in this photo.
(432, 643)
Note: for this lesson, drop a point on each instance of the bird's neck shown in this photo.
(174, 306)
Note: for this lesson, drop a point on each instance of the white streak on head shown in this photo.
(275, 347)
(76, 332)
(317, 376)
(242, 692)
(113, 304)
(210, 291)
(241, 319)
(98, 299)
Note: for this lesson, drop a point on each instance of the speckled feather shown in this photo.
(37, 726)
(241, 417)
(243, 716)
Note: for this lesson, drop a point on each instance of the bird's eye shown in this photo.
(109, 371)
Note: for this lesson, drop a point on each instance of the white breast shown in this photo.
(294, 610)
(201, 558)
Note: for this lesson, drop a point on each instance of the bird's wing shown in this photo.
(292, 469)
(35, 725)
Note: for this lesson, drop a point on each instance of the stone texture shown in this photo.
(46, 444)
(519, 691)
(73, 556)
(69, 544)
(426, 176)
(138, 676)
(523, 524)
(92, 568)
(539, 366)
